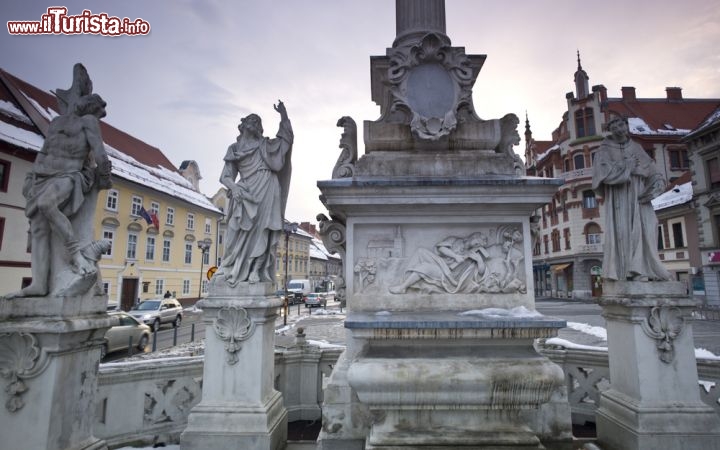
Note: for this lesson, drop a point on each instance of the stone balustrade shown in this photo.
(148, 402)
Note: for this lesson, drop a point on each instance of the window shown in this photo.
(112, 200)
(188, 252)
(132, 246)
(154, 208)
(208, 225)
(566, 235)
(584, 122)
(170, 216)
(150, 248)
(204, 286)
(186, 287)
(159, 287)
(2, 230)
(4, 175)
(567, 165)
(110, 236)
(136, 205)
(545, 241)
(206, 257)
(106, 287)
(660, 241)
(555, 235)
(589, 200)
(190, 221)
(579, 161)
(677, 234)
(166, 250)
(220, 238)
(592, 234)
(713, 167)
(678, 158)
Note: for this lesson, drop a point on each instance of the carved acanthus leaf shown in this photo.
(345, 165)
(664, 324)
(20, 355)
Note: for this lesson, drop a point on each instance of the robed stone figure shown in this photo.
(257, 175)
(626, 177)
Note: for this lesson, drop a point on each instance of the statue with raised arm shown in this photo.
(628, 180)
(257, 175)
(70, 166)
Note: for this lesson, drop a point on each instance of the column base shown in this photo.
(233, 425)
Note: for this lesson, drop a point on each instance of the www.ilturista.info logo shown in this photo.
(57, 21)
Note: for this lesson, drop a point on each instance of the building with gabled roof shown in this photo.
(147, 258)
(567, 255)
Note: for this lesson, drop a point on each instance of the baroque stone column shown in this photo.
(653, 401)
(240, 407)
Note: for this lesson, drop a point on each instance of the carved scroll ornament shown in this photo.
(345, 165)
(233, 326)
(20, 358)
(664, 324)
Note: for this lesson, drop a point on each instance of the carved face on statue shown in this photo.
(618, 127)
(91, 104)
(251, 125)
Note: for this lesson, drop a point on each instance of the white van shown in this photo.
(300, 287)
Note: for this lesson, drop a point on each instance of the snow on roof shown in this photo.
(316, 253)
(19, 137)
(637, 125)
(48, 113)
(321, 247)
(678, 195)
(12, 111)
(711, 119)
(157, 178)
(542, 156)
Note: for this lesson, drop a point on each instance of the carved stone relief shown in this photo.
(233, 326)
(664, 324)
(345, 165)
(171, 401)
(20, 358)
(432, 113)
(489, 260)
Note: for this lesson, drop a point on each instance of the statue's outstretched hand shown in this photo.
(280, 107)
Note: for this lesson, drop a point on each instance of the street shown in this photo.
(327, 326)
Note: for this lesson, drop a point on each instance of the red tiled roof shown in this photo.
(684, 114)
(131, 146)
(540, 147)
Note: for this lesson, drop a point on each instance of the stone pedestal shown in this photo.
(49, 356)
(240, 407)
(653, 401)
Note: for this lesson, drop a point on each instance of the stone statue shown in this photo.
(257, 200)
(628, 180)
(71, 164)
(466, 265)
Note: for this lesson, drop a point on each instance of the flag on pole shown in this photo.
(144, 214)
(155, 220)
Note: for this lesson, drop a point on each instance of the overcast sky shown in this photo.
(205, 64)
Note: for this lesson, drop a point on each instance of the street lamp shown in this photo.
(287, 228)
(204, 247)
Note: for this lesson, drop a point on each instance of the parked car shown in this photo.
(315, 299)
(118, 337)
(158, 311)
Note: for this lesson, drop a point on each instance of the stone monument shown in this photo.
(51, 331)
(653, 401)
(433, 226)
(240, 407)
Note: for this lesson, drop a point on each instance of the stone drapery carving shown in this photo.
(345, 165)
(628, 180)
(71, 164)
(467, 265)
(20, 358)
(257, 175)
(233, 326)
(664, 324)
(430, 62)
(332, 233)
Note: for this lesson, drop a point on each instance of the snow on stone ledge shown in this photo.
(519, 312)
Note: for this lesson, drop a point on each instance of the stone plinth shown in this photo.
(653, 401)
(49, 356)
(240, 407)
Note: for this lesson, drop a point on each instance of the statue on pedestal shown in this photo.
(257, 200)
(71, 163)
(628, 180)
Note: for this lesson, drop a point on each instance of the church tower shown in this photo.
(581, 81)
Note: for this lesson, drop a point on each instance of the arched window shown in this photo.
(589, 200)
(579, 161)
(592, 233)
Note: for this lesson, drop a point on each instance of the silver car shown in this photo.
(118, 337)
(158, 311)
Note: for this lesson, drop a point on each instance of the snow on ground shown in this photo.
(167, 447)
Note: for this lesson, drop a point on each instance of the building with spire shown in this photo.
(567, 256)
